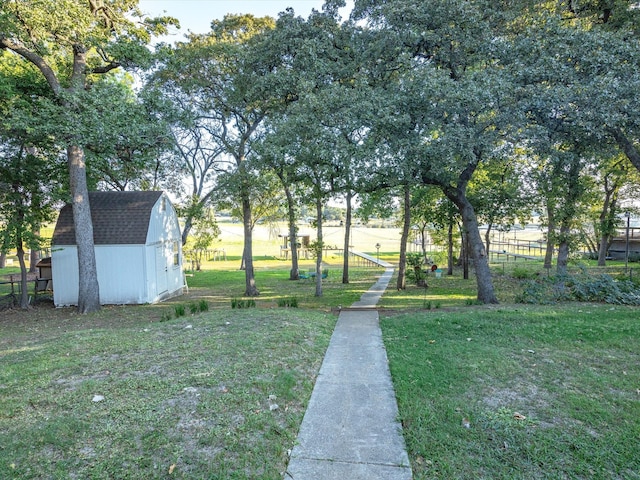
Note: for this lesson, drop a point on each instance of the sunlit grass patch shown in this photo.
(518, 392)
(217, 394)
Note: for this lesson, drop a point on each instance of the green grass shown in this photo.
(548, 392)
(446, 291)
(190, 385)
(197, 392)
(218, 286)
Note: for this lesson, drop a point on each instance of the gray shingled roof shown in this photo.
(119, 218)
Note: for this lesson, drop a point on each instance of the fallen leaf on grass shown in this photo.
(519, 416)
(171, 468)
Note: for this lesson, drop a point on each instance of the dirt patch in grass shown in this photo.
(522, 393)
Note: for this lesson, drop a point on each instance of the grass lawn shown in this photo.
(120, 394)
(519, 392)
(218, 393)
(147, 392)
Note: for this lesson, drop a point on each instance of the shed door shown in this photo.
(162, 269)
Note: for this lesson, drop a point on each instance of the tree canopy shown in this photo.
(501, 108)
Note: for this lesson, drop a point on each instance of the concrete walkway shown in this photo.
(350, 429)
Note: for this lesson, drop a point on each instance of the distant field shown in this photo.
(267, 243)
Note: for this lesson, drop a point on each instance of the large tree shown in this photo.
(30, 173)
(26, 202)
(451, 102)
(128, 138)
(316, 137)
(71, 41)
(223, 73)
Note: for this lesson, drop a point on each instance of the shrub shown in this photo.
(179, 310)
(203, 306)
(601, 288)
(416, 274)
(240, 303)
(288, 302)
(193, 308)
(523, 273)
(604, 288)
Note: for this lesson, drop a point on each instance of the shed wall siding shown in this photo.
(121, 275)
(127, 273)
(165, 279)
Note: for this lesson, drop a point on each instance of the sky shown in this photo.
(196, 15)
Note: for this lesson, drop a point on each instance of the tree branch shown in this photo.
(105, 68)
(627, 146)
(36, 60)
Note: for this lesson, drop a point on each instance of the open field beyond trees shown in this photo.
(192, 388)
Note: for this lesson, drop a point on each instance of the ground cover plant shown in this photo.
(519, 392)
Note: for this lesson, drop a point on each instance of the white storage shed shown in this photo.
(138, 249)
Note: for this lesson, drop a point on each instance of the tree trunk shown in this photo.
(450, 248)
(487, 239)
(563, 250)
(88, 288)
(294, 274)
(484, 281)
(188, 225)
(24, 284)
(548, 254)
(34, 257)
(607, 221)
(319, 247)
(627, 146)
(602, 250)
(347, 240)
(423, 242)
(250, 281)
(406, 226)
(465, 253)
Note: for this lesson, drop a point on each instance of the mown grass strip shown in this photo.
(547, 392)
(214, 395)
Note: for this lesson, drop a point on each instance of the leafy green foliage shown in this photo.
(203, 305)
(601, 288)
(289, 302)
(522, 273)
(243, 303)
(416, 273)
